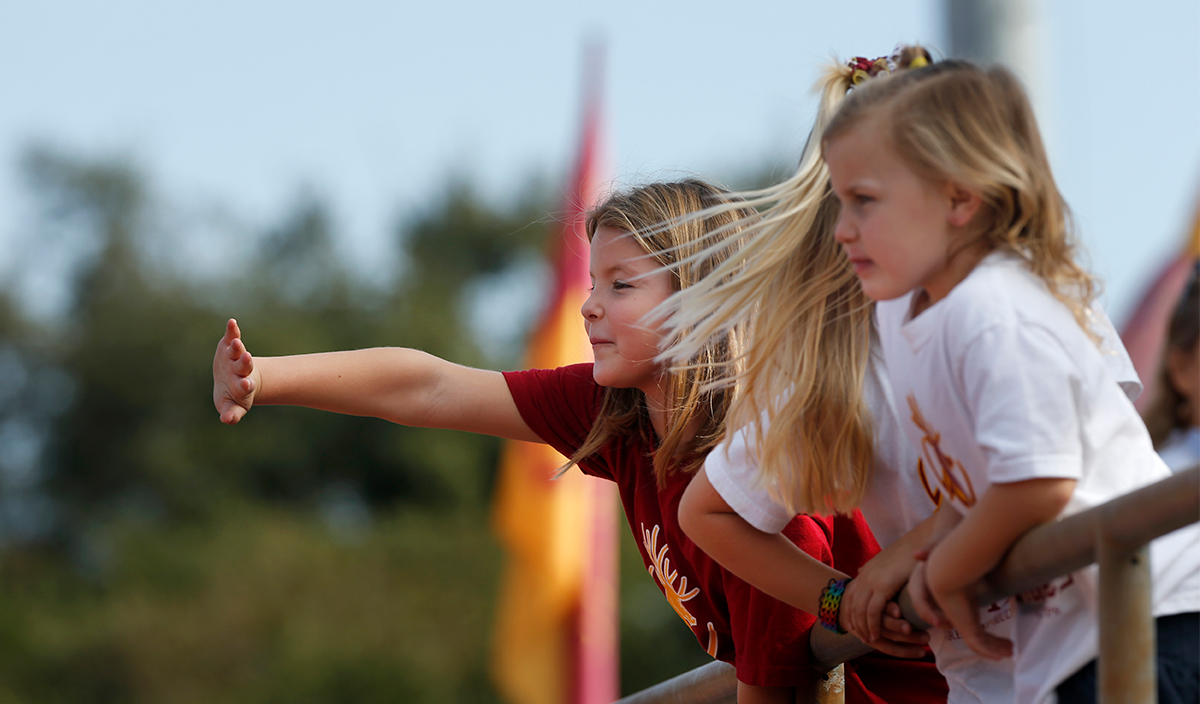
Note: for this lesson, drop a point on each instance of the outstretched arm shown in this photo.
(769, 561)
(404, 386)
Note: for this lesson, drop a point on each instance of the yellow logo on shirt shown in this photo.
(953, 479)
(660, 569)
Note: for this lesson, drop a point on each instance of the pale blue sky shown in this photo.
(373, 104)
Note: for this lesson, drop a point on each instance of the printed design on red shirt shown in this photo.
(660, 569)
(953, 478)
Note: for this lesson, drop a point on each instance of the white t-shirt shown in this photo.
(1181, 449)
(997, 383)
(893, 506)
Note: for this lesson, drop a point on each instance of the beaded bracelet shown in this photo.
(831, 602)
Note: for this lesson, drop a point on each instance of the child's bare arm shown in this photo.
(769, 561)
(879, 581)
(977, 543)
(944, 521)
(404, 386)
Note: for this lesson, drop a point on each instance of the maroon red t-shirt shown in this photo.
(764, 638)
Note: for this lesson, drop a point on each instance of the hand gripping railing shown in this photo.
(1115, 534)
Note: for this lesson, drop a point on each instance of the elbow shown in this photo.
(1059, 497)
(1046, 499)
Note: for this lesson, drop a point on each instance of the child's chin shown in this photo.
(881, 293)
(604, 377)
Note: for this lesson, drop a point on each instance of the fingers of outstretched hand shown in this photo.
(232, 414)
(233, 385)
(242, 360)
(232, 331)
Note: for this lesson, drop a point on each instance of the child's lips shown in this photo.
(860, 264)
(599, 341)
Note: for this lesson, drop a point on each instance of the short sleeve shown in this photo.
(559, 405)
(1024, 390)
(1116, 357)
(732, 469)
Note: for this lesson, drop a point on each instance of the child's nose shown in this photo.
(590, 310)
(843, 231)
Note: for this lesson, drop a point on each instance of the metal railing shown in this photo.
(1115, 534)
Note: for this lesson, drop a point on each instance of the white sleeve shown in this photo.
(732, 469)
(1024, 390)
(1116, 357)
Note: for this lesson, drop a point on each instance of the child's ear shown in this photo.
(964, 203)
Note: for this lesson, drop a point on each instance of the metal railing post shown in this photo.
(716, 683)
(1127, 668)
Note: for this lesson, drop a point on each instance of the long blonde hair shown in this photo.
(804, 364)
(657, 215)
(955, 121)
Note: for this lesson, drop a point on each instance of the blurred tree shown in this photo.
(450, 245)
(138, 437)
(128, 343)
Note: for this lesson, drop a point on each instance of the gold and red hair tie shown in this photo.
(864, 68)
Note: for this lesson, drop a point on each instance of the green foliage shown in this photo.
(264, 606)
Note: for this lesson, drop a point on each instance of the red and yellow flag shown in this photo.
(556, 630)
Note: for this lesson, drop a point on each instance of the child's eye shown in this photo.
(621, 284)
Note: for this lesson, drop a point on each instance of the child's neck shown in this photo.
(656, 405)
(958, 266)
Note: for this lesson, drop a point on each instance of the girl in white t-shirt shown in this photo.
(834, 440)
(952, 221)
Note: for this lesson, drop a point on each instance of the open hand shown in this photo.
(953, 608)
(235, 380)
(962, 613)
(867, 595)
